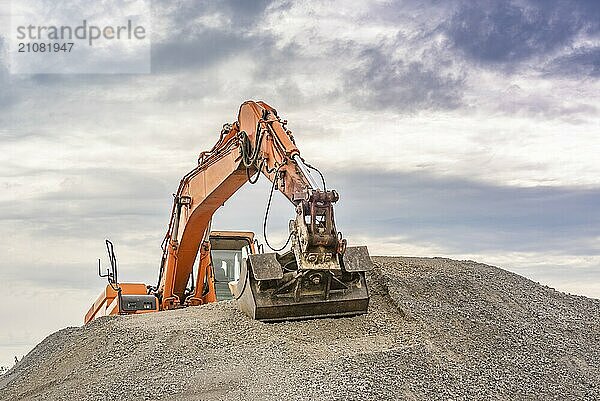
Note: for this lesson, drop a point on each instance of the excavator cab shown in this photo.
(228, 250)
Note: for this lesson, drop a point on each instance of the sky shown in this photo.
(449, 128)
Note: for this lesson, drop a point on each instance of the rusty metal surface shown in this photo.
(302, 294)
(264, 305)
(315, 240)
(357, 259)
(265, 266)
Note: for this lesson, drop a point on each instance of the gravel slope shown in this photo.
(436, 329)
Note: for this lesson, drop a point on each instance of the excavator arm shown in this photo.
(257, 140)
(318, 277)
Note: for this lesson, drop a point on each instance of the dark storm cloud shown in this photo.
(202, 51)
(504, 32)
(243, 13)
(199, 47)
(381, 81)
(508, 32)
(579, 62)
(469, 216)
(384, 81)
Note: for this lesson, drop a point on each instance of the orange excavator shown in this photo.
(318, 277)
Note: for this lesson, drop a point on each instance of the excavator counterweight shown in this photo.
(319, 276)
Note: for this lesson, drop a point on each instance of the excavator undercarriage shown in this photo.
(319, 276)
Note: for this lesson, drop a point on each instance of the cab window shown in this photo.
(226, 256)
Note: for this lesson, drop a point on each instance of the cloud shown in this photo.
(582, 61)
(385, 80)
(91, 201)
(209, 47)
(551, 105)
(186, 15)
(461, 215)
(201, 34)
(512, 31)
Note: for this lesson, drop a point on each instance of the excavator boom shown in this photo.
(318, 277)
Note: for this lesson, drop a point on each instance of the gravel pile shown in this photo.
(436, 329)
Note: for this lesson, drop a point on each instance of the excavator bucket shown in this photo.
(275, 287)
